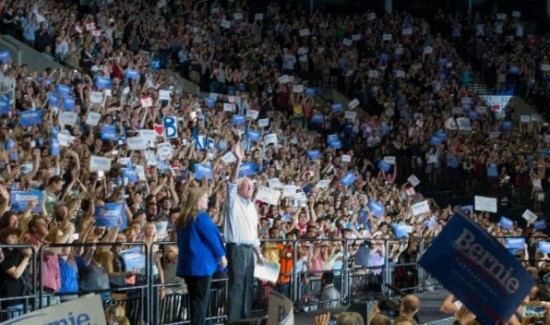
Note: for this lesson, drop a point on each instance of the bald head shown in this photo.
(380, 320)
(409, 305)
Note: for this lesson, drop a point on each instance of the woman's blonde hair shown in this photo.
(191, 208)
(118, 313)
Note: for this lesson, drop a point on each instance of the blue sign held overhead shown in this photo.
(384, 166)
(539, 225)
(133, 259)
(246, 169)
(203, 172)
(318, 119)
(310, 92)
(130, 174)
(253, 135)
(400, 230)
(4, 106)
(336, 107)
(54, 149)
(108, 132)
(28, 118)
(238, 120)
(506, 223)
(69, 103)
(20, 200)
(376, 208)
(53, 100)
(348, 179)
(63, 90)
(313, 154)
(110, 215)
(5, 56)
(103, 82)
(131, 74)
(170, 124)
(543, 247)
(478, 270)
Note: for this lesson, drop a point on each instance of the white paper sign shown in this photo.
(274, 183)
(136, 143)
(389, 160)
(428, 50)
(93, 118)
(98, 163)
(324, 183)
(483, 203)
(267, 271)
(68, 118)
(238, 16)
(407, 31)
(252, 114)
(413, 180)
(529, 216)
(124, 161)
(270, 139)
(85, 310)
(355, 37)
(386, 37)
(229, 158)
(64, 140)
(347, 42)
(304, 32)
(165, 94)
(148, 135)
(96, 97)
(350, 115)
(284, 79)
(420, 208)
(268, 195)
(545, 67)
(140, 171)
(225, 23)
(298, 88)
(353, 104)
(346, 158)
(263, 122)
(146, 101)
(289, 190)
(259, 16)
(165, 151)
(228, 107)
(516, 14)
(525, 118)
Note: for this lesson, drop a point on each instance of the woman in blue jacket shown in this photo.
(201, 250)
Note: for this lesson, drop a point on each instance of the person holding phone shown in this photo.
(201, 250)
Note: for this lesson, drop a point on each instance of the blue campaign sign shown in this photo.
(133, 258)
(20, 200)
(332, 138)
(506, 223)
(103, 82)
(434, 141)
(400, 230)
(210, 102)
(442, 135)
(506, 125)
(515, 243)
(54, 148)
(335, 144)
(246, 169)
(170, 124)
(5, 56)
(348, 179)
(253, 135)
(130, 174)
(238, 119)
(318, 119)
(4, 105)
(108, 215)
(473, 115)
(314, 154)
(63, 90)
(539, 225)
(203, 172)
(336, 107)
(131, 74)
(53, 100)
(376, 208)
(310, 91)
(543, 247)
(108, 132)
(28, 118)
(478, 270)
(384, 166)
(69, 103)
(469, 208)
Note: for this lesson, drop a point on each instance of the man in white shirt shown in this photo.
(241, 235)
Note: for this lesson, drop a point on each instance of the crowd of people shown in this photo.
(119, 135)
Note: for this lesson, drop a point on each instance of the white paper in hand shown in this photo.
(268, 195)
(229, 158)
(267, 271)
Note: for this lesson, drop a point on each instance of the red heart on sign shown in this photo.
(159, 129)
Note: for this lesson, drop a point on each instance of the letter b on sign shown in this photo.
(170, 127)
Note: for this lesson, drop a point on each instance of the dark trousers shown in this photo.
(241, 280)
(199, 295)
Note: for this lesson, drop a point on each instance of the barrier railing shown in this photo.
(358, 275)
